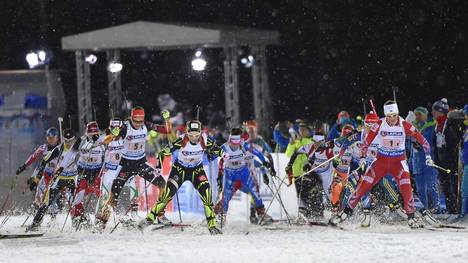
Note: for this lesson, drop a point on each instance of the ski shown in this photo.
(161, 226)
(449, 226)
(324, 224)
(14, 236)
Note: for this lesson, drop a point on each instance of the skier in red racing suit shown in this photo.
(390, 134)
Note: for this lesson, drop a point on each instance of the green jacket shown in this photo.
(301, 158)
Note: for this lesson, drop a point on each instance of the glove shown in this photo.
(32, 182)
(307, 167)
(429, 161)
(288, 168)
(21, 169)
(115, 131)
(290, 177)
(266, 180)
(165, 114)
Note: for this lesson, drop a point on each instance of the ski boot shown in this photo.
(264, 218)
(163, 220)
(414, 222)
(80, 222)
(144, 223)
(302, 216)
(221, 219)
(340, 216)
(429, 219)
(253, 216)
(103, 216)
(214, 230)
(366, 221)
(34, 227)
(399, 210)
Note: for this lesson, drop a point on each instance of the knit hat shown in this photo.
(421, 110)
(441, 106)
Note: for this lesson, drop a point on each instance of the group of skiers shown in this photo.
(348, 168)
(72, 168)
(371, 161)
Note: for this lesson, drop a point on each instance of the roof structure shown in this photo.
(160, 36)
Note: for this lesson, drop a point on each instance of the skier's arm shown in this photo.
(213, 149)
(156, 127)
(370, 138)
(51, 155)
(33, 157)
(411, 131)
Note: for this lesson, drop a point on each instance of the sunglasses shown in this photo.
(392, 115)
(138, 122)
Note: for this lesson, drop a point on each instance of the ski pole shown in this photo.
(7, 199)
(286, 178)
(178, 208)
(441, 168)
(60, 121)
(166, 122)
(280, 200)
(146, 198)
(131, 203)
(320, 165)
(273, 198)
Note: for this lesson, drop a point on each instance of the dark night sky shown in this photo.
(332, 53)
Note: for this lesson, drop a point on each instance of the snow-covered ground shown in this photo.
(241, 242)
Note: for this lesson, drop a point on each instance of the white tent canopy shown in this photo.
(151, 35)
(141, 35)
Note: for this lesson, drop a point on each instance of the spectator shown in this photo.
(464, 187)
(444, 143)
(342, 120)
(281, 136)
(294, 144)
(425, 176)
(254, 139)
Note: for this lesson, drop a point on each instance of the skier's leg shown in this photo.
(337, 186)
(151, 175)
(133, 195)
(372, 176)
(399, 171)
(176, 178)
(49, 198)
(326, 178)
(229, 189)
(248, 186)
(390, 190)
(200, 182)
(77, 208)
(314, 198)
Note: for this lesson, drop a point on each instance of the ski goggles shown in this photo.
(193, 135)
(138, 121)
(235, 139)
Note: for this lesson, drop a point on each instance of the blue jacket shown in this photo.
(465, 144)
(417, 156)
(281, 141)
(335, 130)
